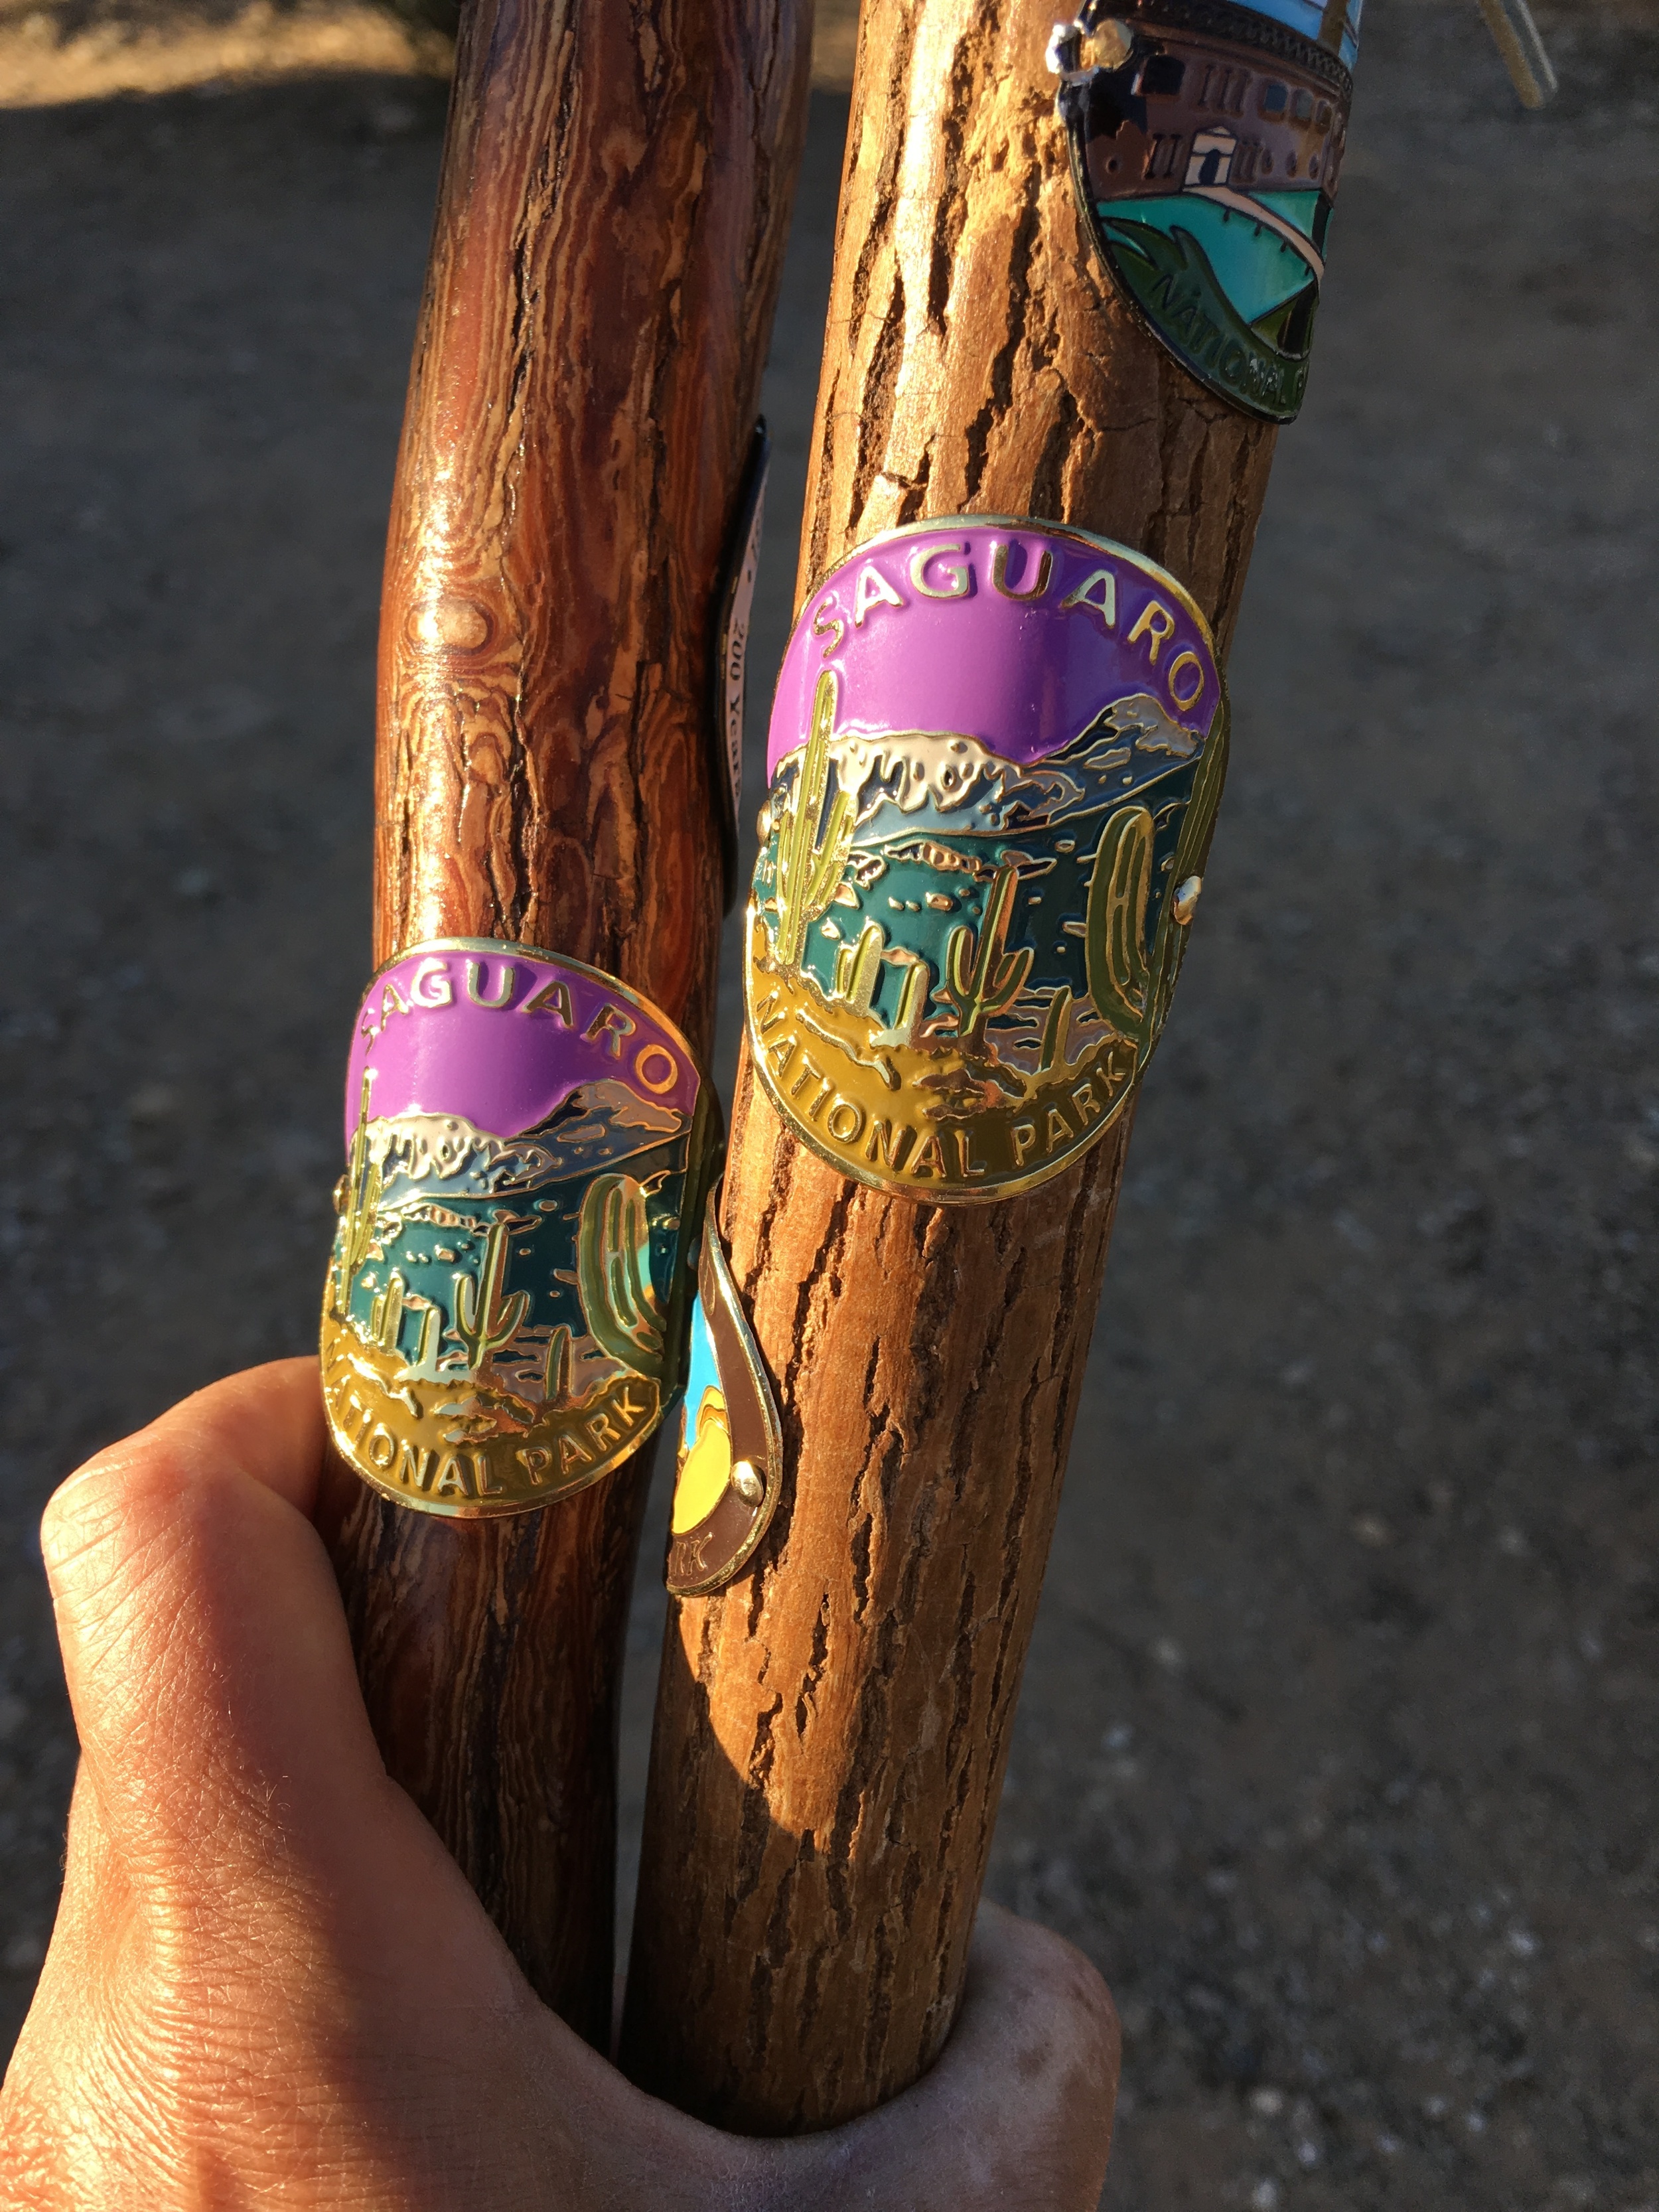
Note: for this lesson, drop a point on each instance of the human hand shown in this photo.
(268, 1983)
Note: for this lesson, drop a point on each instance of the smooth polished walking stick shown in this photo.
(526, 1115)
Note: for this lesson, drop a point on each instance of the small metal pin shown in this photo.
(1516, 36)
(1092, 40)
(1064, 54)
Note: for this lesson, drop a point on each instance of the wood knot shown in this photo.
(460, 625)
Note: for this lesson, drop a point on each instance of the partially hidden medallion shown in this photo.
(730, 1463)
(736, 604)
(1206, 141)
(995, 754)
(505, 1307)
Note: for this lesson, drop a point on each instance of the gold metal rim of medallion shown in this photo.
(944, 1192)
(488, 1506)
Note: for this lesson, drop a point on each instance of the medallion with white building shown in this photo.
(1206, 143)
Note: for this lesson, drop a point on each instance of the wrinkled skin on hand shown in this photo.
(269, 1983)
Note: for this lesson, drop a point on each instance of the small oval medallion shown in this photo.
(505, 1308)
(737, 602)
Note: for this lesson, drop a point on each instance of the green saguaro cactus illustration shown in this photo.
(808, 867)
(613, 1274)
(1052, 1052)
(482, 1323)
(980, 978)
(858, 968)
(556, 1373)
(386, 1314)
(425, 1361)
(1192, 850)
(360, 1203)
(914, 992)
(1115, 928)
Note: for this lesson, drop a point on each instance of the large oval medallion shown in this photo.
(995, 754)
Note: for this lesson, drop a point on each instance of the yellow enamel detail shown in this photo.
(706, 1469)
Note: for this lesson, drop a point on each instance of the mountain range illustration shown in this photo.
(904, 783)
(593, 1127)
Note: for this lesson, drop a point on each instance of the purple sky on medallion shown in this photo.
(504, 1068)
(1024, 679)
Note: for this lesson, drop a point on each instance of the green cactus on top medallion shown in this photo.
(613, 1274)
(980, 978)
(1051, 1053)
(555, 1372)
(1170, 948)
(809, 867)
(1115, 927)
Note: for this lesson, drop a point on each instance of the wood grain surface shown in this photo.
(614, 201)
(831, 1730)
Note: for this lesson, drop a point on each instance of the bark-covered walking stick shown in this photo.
(525, 1121)
(1059, 345)
(1061, 332)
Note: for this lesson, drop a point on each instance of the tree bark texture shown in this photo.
(832, 1730)
(612, 210)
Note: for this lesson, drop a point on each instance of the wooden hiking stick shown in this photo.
(832, 1728)
(615, 196)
